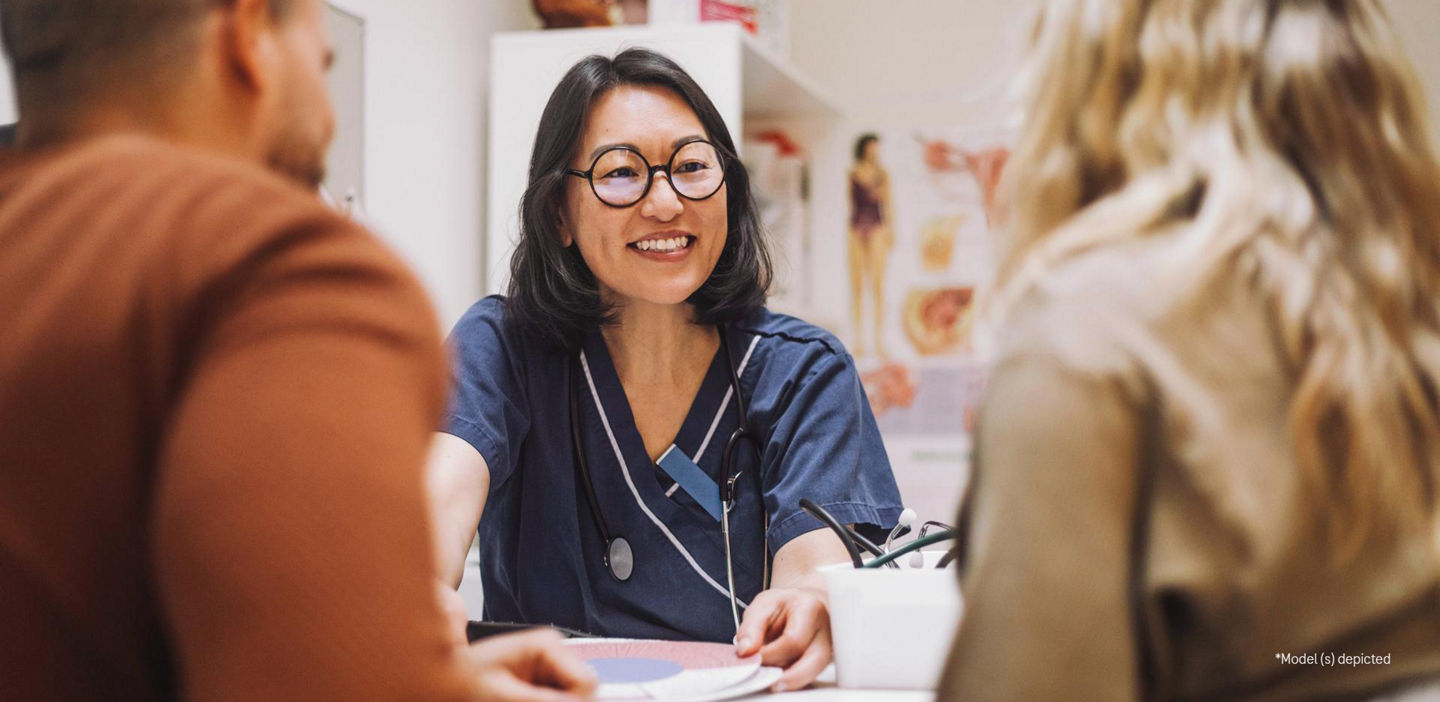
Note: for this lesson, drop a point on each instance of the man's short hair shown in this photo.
(67, 52)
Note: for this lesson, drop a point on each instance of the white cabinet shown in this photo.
(751, 88)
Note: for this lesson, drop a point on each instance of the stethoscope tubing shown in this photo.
(911, 547)
(727, 486)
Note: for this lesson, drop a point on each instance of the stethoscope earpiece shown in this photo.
(907, 517)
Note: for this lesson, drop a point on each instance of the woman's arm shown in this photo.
(825, 447)
(458, 481)
(789, 624)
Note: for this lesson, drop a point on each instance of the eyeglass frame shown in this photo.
(589, 175)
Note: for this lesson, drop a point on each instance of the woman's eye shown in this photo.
(692, 167)
(620, 173)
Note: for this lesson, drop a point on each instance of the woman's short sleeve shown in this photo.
(826, 447)
(489, 407)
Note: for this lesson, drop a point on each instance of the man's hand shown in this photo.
(791, 629)
(532, 666)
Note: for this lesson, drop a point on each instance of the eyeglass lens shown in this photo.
(621, 176)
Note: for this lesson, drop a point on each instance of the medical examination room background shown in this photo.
(416, 90)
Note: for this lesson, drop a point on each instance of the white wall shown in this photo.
(908, 61)
(7, 95)
(427, 73)
(1418, 22)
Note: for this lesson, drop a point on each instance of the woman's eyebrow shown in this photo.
(674, 145)
(606, 147)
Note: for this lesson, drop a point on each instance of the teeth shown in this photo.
(664, 245)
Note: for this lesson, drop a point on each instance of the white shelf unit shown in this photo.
(751, 88)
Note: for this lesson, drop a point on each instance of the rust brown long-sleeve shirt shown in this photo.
(215, 400)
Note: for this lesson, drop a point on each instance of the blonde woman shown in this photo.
(1207, 461)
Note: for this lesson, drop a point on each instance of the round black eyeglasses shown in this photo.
(621, 177)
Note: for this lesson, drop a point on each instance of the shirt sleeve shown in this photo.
(1047, 565)
(291, 546)
(826, 447)
(489, 407)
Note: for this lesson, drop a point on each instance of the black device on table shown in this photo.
(474, 631)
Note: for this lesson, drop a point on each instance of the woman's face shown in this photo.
(871, 152)
(663, 248)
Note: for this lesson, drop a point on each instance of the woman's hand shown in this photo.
(790, 627)
(533, 666)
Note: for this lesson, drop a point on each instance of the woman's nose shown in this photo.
(662, 202)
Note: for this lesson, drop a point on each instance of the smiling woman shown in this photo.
(598, 102)
(631, 430)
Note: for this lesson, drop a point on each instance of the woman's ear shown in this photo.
(567, 237)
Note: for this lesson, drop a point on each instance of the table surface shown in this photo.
(827, 692)
(824, 690)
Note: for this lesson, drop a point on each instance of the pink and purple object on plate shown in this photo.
(634, 669)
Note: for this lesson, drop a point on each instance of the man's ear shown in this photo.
(247, 42)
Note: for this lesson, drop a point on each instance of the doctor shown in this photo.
(631, 429)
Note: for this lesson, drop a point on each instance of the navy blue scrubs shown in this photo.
(541, 553)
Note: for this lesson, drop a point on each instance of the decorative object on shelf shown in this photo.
(565, 14)
(634, 11)
(766, 20)
(746, 12)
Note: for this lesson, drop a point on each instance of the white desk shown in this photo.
(824, 690)
(827, 692)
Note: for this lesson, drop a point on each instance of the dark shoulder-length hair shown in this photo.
(553, 296)
(864, 141)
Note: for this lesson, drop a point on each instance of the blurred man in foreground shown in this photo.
(215, 395)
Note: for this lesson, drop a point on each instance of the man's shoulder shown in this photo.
(137, 163)
(187, 201)
(195, 219)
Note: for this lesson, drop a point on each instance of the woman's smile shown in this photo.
(668, 247)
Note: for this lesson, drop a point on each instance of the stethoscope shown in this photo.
(619, 557)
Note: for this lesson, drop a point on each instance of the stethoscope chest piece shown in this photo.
(620, 559)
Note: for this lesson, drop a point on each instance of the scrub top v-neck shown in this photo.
(541, 554)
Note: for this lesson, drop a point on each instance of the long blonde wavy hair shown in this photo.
(1289, 139)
